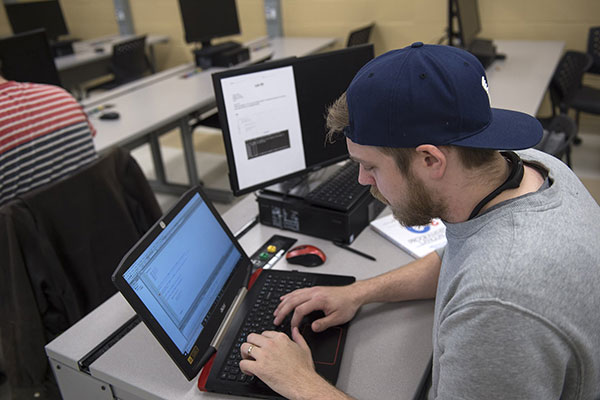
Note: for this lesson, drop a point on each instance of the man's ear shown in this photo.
(431, 160)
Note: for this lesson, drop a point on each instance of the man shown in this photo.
(516, 287)
(44, 136)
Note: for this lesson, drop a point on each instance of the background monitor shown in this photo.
(26, 57)
(30, 15)
(360, 35)
(204, 20)
(469, 24)
(273, 115)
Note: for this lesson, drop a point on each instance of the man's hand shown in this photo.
(339, 303)
(286, 366)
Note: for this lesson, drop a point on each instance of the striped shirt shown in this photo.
(44, 136)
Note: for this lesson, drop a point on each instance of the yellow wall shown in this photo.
(163, 17)
(401, 22)
(87, 19)
(4, 24)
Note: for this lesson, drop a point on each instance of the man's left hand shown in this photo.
(286, 366)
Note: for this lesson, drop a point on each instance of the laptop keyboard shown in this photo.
(260, 318)
(340, 191)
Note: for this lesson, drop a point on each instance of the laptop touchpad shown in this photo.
(325, 345)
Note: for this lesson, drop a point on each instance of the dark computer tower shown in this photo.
(296, 214)
(225, 54)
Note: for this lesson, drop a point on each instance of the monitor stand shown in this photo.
(223, 54)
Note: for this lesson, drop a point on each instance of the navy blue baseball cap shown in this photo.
(432, 94)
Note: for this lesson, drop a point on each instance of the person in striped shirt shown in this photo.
(44, 135)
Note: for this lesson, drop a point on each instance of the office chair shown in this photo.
(128, 63)
(567, 91)
(59, 246)
(593, 49)
(360, 35)
(559, 133)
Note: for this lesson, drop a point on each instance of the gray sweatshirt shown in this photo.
(517, 312)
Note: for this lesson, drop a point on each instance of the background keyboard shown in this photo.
(340, 191)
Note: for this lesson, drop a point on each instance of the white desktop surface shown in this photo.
(520, 81)
(387, 348)
(158, 100)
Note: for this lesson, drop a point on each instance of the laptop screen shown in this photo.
(179, 276)
(182, 277)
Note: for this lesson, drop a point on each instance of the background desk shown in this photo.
(520, 81)
(86, 63)
(387, 348)
(159, 103)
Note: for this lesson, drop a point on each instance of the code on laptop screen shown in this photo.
(179, 276)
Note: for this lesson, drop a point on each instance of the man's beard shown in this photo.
(418, 207)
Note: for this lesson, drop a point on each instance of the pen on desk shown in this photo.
(360, 253)
(244, 229)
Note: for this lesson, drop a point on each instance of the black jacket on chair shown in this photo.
(58, 248)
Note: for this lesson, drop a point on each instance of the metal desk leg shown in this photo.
(223, 196)
(188, 152)
(159, 167)
(152, 59)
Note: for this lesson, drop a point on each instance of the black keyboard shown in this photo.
(260, 318)
(340, 191)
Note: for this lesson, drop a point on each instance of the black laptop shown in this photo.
(187, 279)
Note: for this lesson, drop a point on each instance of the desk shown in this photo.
(157, 104)
(387, 348)
(388, 345)
(86, 63)
(520, 81)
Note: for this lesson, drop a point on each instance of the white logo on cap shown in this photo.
(485, 87)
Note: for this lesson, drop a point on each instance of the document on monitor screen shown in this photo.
(264, 124)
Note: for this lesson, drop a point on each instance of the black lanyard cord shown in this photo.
(513, 181)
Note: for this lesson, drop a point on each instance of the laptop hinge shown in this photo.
(235, 305)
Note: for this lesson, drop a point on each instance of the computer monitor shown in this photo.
(30, 15)
(273, 115)
(26, 57)
(204, 20)
(469, 24)
(466, 14)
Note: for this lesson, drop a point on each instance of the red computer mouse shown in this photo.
(306, 255)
